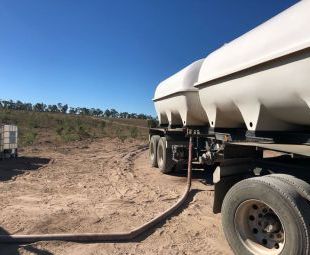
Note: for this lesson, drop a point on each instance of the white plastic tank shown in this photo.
(8, 137)
(177, 101)
(261, 80)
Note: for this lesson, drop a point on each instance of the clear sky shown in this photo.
(113, 53)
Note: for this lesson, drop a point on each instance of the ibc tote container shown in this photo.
(8, 139)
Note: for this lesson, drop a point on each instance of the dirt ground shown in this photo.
(104, 186)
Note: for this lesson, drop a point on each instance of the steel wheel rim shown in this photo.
(259, 228)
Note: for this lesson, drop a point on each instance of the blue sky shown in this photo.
(112, 54)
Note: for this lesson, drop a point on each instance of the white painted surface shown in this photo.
(8, 137)
(260, 81)
(182, 81)
(182, 109)
(177, 100)
(285, 33)
(274, 96)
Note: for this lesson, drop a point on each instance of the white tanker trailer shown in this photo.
(247, 106)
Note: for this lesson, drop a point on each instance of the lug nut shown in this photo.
(255, 207)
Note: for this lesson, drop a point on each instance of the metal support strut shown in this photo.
(102, 237)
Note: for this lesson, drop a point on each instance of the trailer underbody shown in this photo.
(273, 162)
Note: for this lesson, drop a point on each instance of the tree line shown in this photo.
(65, 109)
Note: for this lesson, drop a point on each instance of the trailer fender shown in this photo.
(227, 175)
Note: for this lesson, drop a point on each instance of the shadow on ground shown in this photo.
(14, 249)
(204, 176)
(10, 168)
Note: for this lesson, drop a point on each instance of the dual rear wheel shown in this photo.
(268, 216)
(160, 154)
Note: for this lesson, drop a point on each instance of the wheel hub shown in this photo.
(270, 223)
(259, 228)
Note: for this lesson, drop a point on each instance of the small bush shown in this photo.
(152, 123)
(82, 132)
(122, 138)
(29, 137)
(103, 124)
(71, 130)
(5, 117)
(134, 132)
(70, 137)
(33, 122)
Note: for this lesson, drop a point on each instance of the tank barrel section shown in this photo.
(235, 86)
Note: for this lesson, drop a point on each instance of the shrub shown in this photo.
(29, 137)
(134, 132)
(152, 123)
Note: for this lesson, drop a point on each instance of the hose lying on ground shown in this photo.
(101, 237)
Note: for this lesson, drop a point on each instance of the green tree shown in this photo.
(39, 107)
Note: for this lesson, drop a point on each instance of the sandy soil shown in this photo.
(104, 186)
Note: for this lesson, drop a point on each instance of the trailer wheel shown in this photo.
(164, 156)
(153, 150)
(302, 187)
(266, 216)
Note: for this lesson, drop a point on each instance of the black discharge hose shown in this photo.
(101, 237)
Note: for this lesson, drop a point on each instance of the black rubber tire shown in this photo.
(153, 150)
(164, 156)
(302, 187)
(291, 208)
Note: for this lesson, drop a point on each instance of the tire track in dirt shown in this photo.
(108, 186)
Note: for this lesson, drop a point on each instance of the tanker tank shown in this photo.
(261, 80)
(177, 101)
